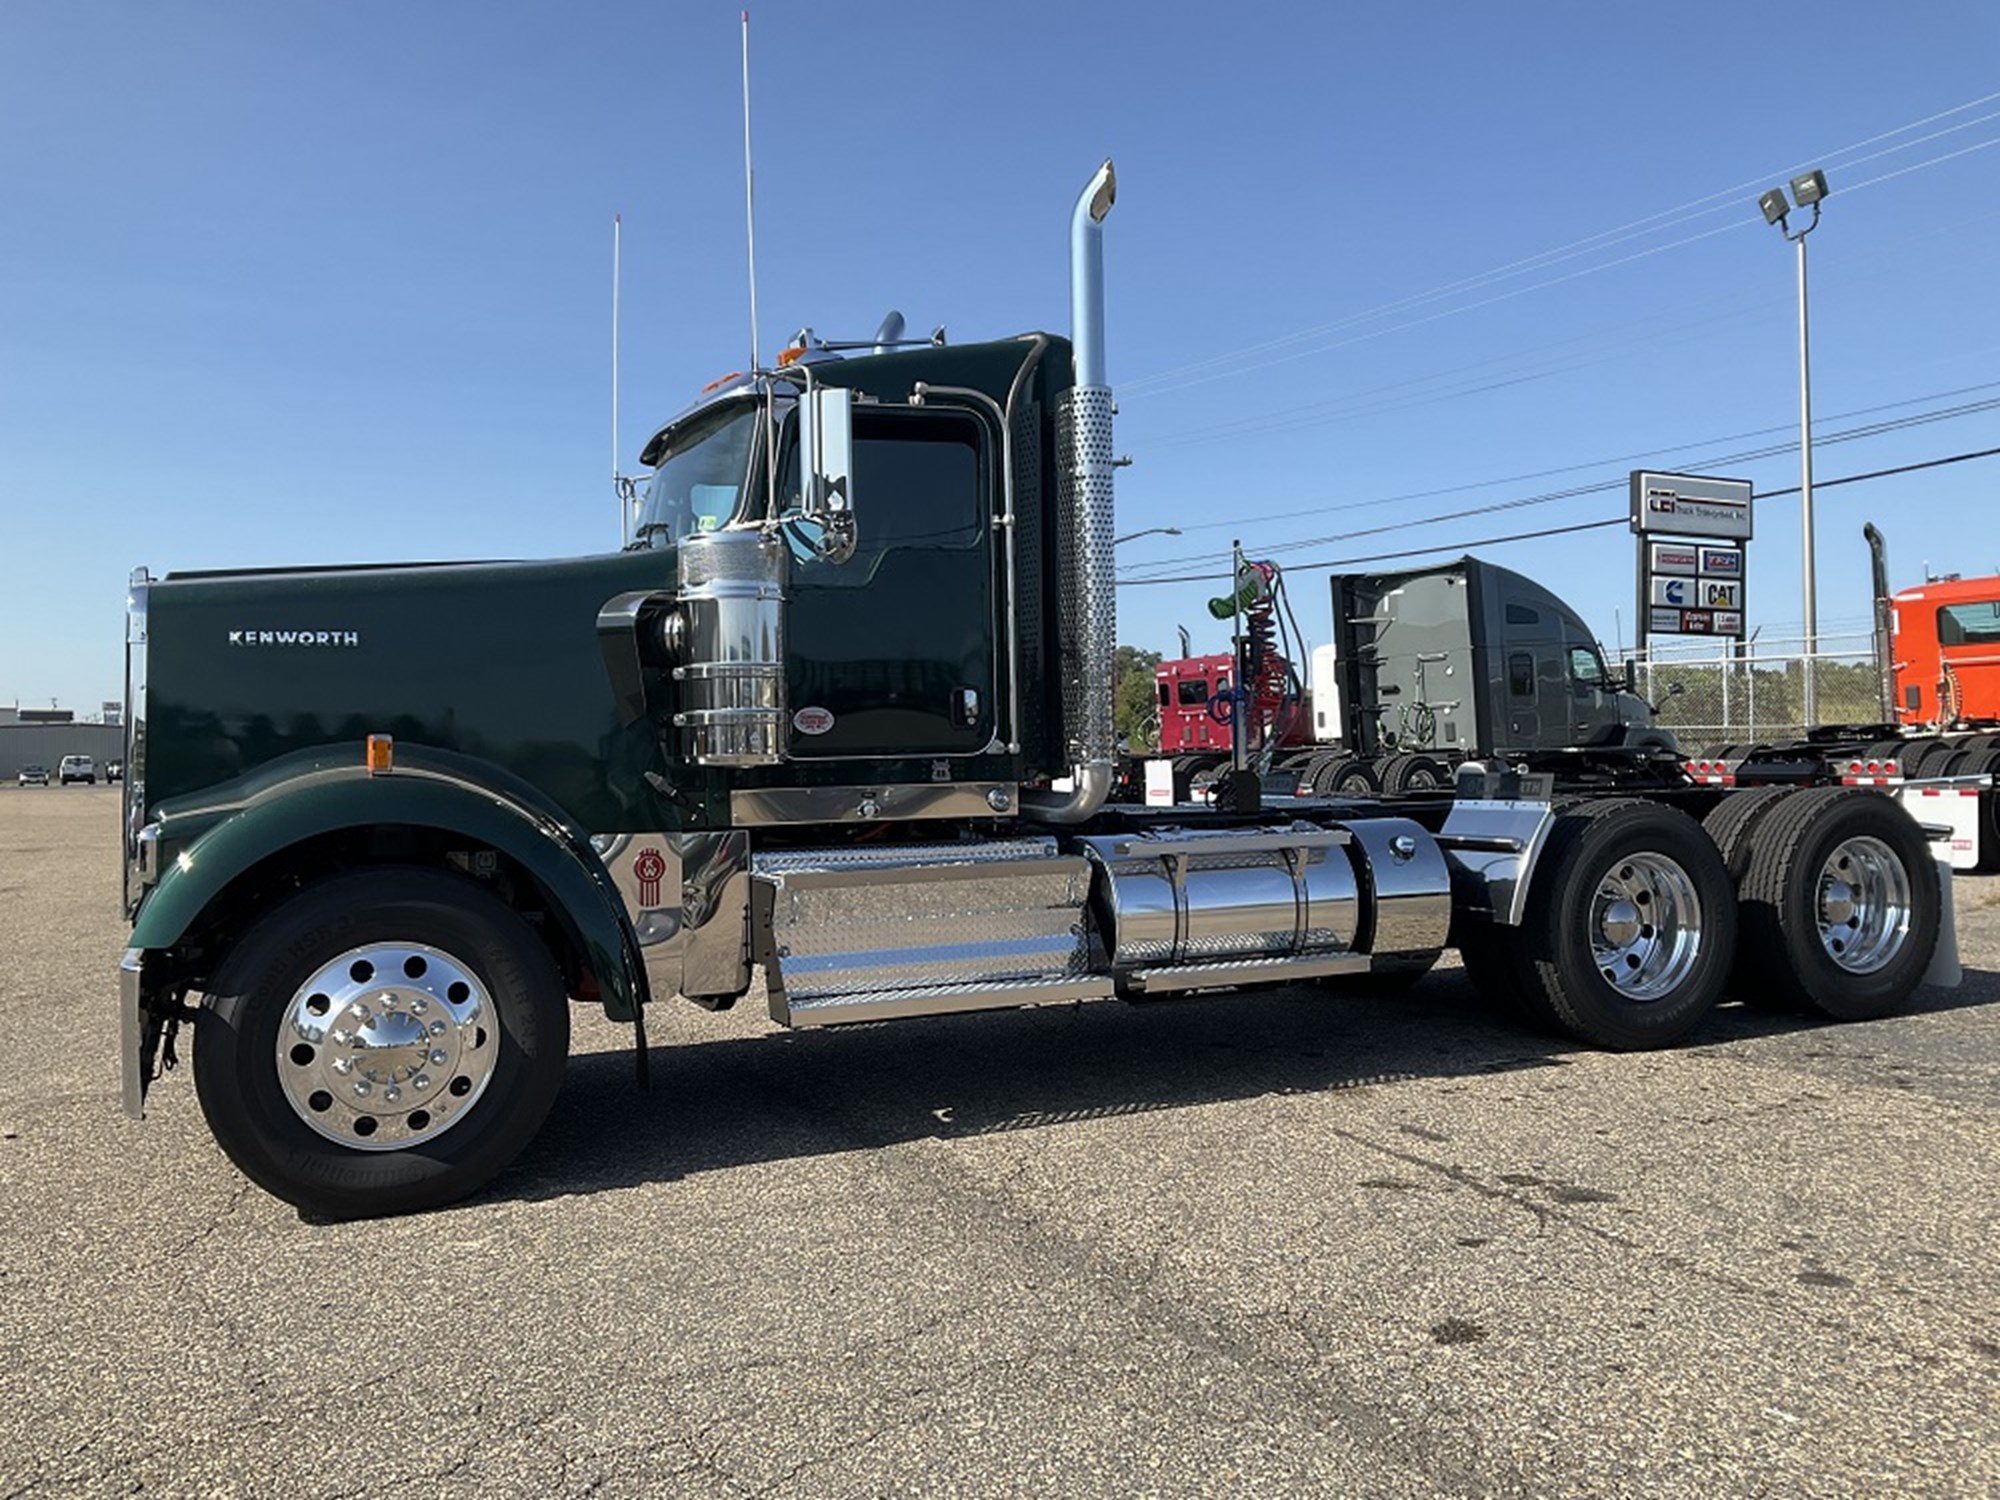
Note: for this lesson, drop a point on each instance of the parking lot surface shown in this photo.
(1282, 1244)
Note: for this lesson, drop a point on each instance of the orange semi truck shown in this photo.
(1944, 644)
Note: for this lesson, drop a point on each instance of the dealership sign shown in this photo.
(1691, 505)
(1691, 529)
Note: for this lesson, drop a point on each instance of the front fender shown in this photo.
(287, 812)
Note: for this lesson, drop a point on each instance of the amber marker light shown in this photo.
(381, 754)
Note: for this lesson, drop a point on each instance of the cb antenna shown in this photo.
(749, 194)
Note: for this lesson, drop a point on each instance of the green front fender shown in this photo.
(286, 813)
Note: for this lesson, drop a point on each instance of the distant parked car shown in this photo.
(114, 770)
(77, 768)
(33, 776)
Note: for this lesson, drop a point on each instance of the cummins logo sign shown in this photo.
(294, 637)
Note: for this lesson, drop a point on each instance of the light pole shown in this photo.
(1149, 531)
(1807, 191)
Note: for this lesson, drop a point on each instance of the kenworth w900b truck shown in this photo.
(840, 718)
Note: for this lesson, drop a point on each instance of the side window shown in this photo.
(1193, 691)
(1585, 669)
(918, 487)
(1520, 614)
(1970, 624)
(1521, 675)
(1166, 694)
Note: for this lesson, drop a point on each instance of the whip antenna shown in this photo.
(617, 479)
(749, 193)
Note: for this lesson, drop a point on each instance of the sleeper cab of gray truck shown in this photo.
(1474, 659)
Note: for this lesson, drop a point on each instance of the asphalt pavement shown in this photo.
(1287, 1244)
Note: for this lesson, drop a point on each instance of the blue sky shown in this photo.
(316, 283)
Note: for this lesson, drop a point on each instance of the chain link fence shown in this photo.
(1742, 692)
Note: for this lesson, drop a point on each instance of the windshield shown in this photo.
(700, 481)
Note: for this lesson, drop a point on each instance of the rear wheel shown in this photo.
(1924, 758)
(1414, 771)
(1630, 925)
(1985, 763)
(1840, 904)
(382, 1043)
(1347, 776)
(1729, 823)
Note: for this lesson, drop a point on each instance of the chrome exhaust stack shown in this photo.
(1086, 600)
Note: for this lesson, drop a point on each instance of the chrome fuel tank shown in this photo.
(1180, 896)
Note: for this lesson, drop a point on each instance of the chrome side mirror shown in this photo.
(826, 454)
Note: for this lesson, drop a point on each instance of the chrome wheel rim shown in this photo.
(387, 1046)
(1645, 926)
(1862, 905)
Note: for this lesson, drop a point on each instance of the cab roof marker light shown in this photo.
(381, 754)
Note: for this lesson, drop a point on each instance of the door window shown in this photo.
(897, 642)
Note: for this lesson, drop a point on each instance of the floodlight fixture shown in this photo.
(1809, 189)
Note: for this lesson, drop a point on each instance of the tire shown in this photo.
(1345, 776)
(1957, 763)
(1985, 763)
(1630, 925)
(1729, 823)
(1414, 772)
(465, 960)
(1925, 760)
(1310, 768)
(1840, 905)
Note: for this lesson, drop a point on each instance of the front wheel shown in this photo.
(384, 1042)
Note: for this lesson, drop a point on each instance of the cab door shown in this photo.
(891, 652)
(1593, 709)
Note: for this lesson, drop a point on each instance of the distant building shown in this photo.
(43, 736)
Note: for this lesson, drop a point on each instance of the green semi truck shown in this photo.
(839, 721)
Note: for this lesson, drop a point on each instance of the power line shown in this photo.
(1236, 523)
(1203, 370)
(1604, 344)
(1525, 536)
(1747, 455)
(1540, 286)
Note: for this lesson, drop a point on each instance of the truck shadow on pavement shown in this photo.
(780, 1095)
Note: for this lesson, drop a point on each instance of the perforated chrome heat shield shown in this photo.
(1086, 599)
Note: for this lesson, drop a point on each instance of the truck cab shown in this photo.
(1945, 646)
(1471, 658)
